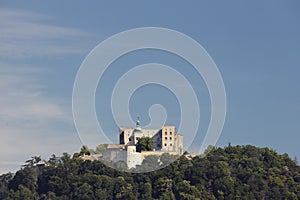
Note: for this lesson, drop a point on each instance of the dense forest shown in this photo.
(232, 172)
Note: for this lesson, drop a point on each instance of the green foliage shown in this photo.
(32, 161)
(4, 181)
(144, 144)
(54, 160)
(184, 190)
(25, 177)
(84, 151)
(101, 148)
(23, 193)
(167, 158)
(234, 172)
(83, 192)
(150, 163)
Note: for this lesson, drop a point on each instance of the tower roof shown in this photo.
(138, 126)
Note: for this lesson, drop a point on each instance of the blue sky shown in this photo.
(255, 45)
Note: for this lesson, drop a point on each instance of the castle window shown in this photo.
(165, 145)
(137, 138)
(166, 133)
(166, 138)
(170, 138)
(170, 133)
(170, 144)
(129, 139)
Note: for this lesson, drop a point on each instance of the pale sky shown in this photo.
(256, 46)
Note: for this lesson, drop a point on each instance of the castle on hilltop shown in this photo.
(165, 140)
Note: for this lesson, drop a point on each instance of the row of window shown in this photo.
(166, 133)
(166, 144)
(137, 138)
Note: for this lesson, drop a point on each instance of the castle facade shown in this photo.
(165, 140)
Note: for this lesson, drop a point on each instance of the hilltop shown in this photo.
(232, 172)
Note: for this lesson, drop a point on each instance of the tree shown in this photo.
(24, 193)
(145, 191)
(144, 144)
(84, 192)
(4, 181)
(186, 191)
(58, 185)
(163, 188)
(233, 172)
(32, 161)
(121, 165)
(54, 160)
(296, 160)
(101, 148)
(24, 177)
(84, 150)
(150, 163)
(167, 159)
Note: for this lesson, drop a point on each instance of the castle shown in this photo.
(165, 140)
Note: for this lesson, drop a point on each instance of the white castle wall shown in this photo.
(133, 158)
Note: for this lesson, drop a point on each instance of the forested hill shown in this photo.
(233, 172)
